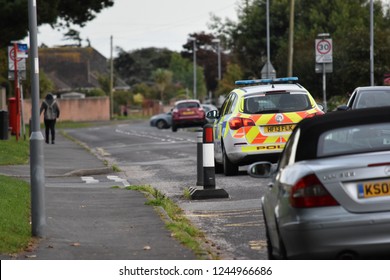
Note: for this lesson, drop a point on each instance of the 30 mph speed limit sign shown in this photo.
(324, 50)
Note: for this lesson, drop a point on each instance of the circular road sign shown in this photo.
(324, 46)
(13, 56)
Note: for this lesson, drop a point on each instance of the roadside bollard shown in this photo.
(208, 169)
(208, 158)
(199, 157)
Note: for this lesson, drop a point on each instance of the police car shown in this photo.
(256, 120)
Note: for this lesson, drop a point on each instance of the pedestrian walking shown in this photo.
(51, 113)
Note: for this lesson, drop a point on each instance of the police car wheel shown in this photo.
(229, 168)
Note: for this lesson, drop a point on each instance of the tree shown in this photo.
(57, 13)
(73, 35)
(162, 78)
(137, 66)
(233, 73)
(347, 22)
(206, 57)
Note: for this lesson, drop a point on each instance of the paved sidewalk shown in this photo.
(94, 221)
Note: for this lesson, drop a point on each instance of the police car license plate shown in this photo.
(279, 128)
(373, 189)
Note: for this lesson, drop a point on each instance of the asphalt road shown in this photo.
(167, 161)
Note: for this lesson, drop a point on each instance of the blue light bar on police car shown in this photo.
(266, 81)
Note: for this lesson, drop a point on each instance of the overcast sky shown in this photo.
(138, 24)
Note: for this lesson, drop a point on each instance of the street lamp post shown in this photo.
(111, 80)
(291, 40)
(268, 43)
(218, 41)
(37, 164)
(268, 71)
(193, 39)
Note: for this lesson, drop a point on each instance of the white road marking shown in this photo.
(89, 179)
(118, 179)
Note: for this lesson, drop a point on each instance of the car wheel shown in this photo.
(174, 127)
(161, 124)
(229, 168)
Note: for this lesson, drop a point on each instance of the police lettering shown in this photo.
(271, 147)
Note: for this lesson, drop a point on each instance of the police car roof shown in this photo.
(272, 87)
(267, 81)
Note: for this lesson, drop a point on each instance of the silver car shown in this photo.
(330, 192)
(367, 97)
(161, 121)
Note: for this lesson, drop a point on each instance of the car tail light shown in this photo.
(309, 192)
(175, 112)
(236, 123)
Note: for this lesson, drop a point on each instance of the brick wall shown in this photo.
(84, 109)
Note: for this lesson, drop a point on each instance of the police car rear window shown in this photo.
(279, 102)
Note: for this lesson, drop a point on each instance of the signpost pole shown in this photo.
(324, 87)
(324, 58)
(16, 86)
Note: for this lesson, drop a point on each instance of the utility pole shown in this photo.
(111, 80)
(37, 166)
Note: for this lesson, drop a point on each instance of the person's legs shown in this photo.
(52, 130)
(47, 128)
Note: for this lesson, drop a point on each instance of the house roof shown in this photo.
(71, 67)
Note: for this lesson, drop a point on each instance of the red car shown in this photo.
(188, 113)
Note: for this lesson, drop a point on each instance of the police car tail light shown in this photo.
(237, 123)
(309, 192)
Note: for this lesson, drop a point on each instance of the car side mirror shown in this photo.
(342, 108)
(261, 169)
(212, 114)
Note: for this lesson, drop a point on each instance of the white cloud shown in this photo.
(145, 23)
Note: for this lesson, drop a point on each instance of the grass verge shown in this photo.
(14, 152)
(15, 228)
(176, 222)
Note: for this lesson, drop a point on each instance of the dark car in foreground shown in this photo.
(330, 192)
(188, 113)
(367, 97)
